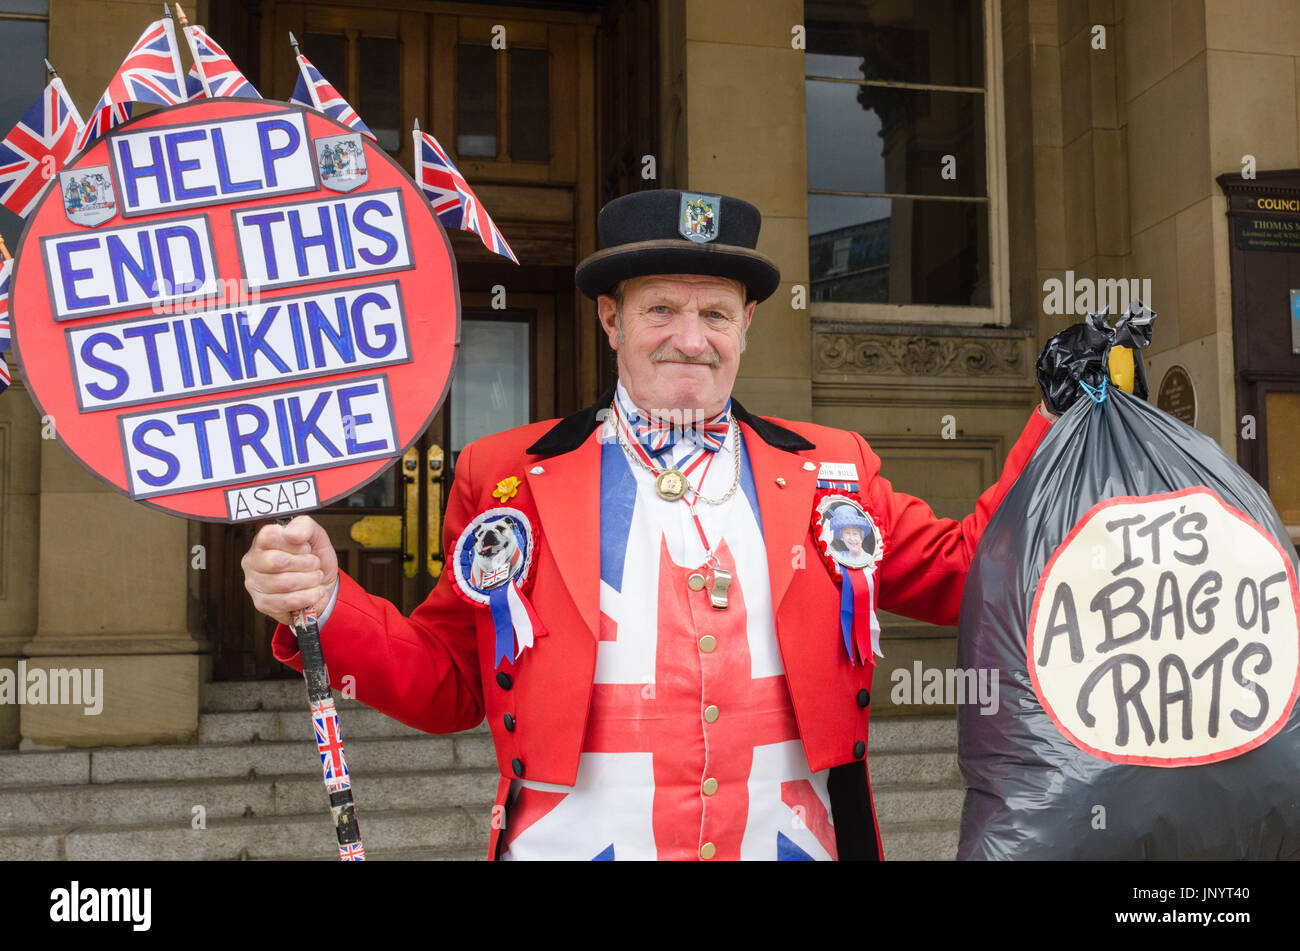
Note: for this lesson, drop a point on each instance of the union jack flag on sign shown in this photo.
(150, 73)
(453, 201)
(6, 338)
(217, 75)
(194, 85)
(37, 147)
(326, 721)
(314, 90)
(352, 852)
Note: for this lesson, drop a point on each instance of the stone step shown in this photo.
(248, 695)
(896, 804)
(451, 829)
(913, 769)
(892, 734)
(920, 841)
(887, 761)
(274, 725)
(27, 768)
(130, 803)
(365, 755)
(888, 733)
(397, 855)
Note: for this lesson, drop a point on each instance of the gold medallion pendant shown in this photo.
(670, 485)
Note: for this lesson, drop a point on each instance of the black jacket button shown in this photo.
(859, 750)
(864, 697)
(510, 723)
(504, 681)
(518, 766)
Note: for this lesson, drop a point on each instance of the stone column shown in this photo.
(112, 597)
(744, 120)
(104, 579)
(20, 497)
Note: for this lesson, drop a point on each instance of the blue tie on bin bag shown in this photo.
(1135, 595)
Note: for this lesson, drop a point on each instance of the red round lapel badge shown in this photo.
(852, 543)
(235, 309)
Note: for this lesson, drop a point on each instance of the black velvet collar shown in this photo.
(572, 431)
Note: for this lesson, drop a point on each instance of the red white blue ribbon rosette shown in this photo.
(492, 561)
(852, 543)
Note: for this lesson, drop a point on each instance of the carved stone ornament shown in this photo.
(917, 355)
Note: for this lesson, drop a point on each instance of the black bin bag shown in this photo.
(1135, 597)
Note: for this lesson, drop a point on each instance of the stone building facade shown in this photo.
(1092, 134)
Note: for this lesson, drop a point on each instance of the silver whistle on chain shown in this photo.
(719, 587)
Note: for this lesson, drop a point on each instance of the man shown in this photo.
(673, 667)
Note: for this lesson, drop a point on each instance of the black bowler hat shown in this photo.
(665, 231)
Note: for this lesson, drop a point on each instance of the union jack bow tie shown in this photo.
(660, 435)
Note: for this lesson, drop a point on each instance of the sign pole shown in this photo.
(325, 720)
(311, 87)
(194, 51)
(176, 56)
(72, 106)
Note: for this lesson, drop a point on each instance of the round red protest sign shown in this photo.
(234, 310)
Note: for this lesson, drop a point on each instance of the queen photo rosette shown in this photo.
(852, 544)
(492, 563)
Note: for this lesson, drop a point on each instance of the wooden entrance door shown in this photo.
(389, 534)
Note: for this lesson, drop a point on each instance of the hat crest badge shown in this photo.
(699, 216)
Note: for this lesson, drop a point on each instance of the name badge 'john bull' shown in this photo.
(852, 544)
(492, 562)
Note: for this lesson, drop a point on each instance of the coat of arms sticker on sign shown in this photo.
(341, 161)
(88, 197)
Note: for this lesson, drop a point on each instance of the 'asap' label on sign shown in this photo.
(1166, 631)
(277, 433)
(271, 499)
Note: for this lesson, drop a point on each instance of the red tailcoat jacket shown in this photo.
(435, 670)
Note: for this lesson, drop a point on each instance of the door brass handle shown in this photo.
(411, 513)
(397, 531)
(433, 472)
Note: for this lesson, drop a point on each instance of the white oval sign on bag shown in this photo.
(1166, 631)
